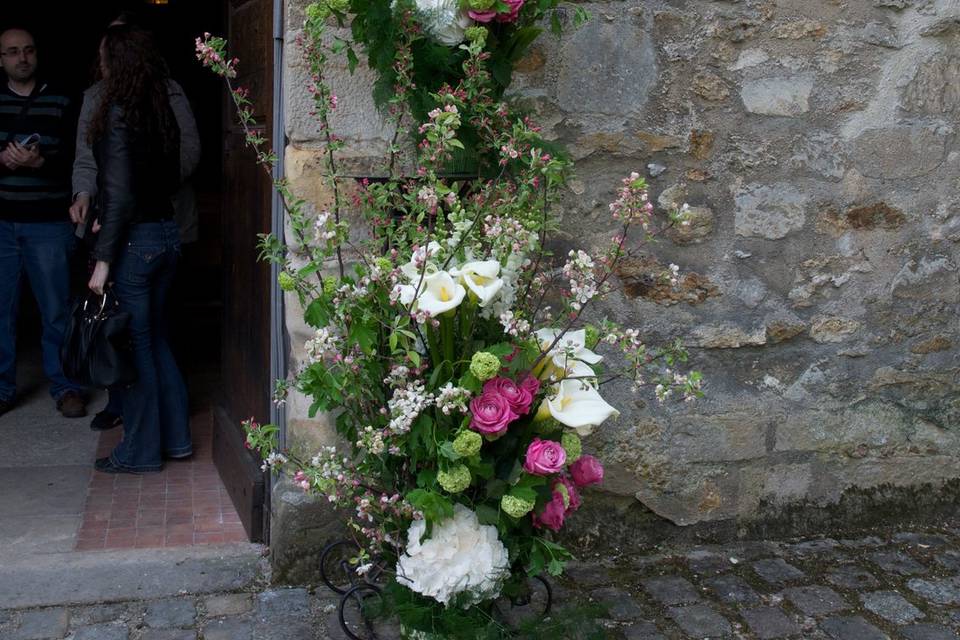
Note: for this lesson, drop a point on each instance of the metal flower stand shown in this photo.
(354, 590)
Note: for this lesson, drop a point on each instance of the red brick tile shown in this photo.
(85, 544)
(176, 529)
(207, 526)
(178, 540)
(235, 536)
(208, 538)
(151, 539)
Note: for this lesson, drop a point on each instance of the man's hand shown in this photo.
(99, 278)
(25, 156)
(6, 159)
(80, 208)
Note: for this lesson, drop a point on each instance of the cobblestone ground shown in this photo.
(895, 585)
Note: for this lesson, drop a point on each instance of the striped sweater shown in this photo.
(38, 195)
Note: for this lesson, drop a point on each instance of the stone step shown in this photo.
(77, 578)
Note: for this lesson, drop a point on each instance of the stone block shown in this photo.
(855, 628)
(897, 562)
(943, 592)
(853, 578)
(671, 590)
(229, 604)
(898, 152)
(642, 631)
(41, 624)
(891, 606)
(935, 88)
(928, 632)
(777, 571)
(700, 621)
(784, 96)
(106, 631)
(169, 634)
(239, 628)
(283, 614)
(816, 600)
(171, 613)
(619, 604)
(301, 526)
(769, 211)
(732, 590)
(828, 329)
(770, 623)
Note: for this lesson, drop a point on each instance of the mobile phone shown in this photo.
(29, 141)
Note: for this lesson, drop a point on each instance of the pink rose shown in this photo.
(586, 470)
(531, 384)
(518, 397)
(510, 16)
(552, 515)
(482, 16)
(573, 496)
(544, 457)
(490, 414)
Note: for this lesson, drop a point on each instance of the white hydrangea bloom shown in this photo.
(444, 20)
(462, 556)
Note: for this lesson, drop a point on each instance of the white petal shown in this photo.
(579, 405)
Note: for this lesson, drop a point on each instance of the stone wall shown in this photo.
(816, 141)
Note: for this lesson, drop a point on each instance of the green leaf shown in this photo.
(446, 450)
(487, 514)
(352, 59)
(434, 506)
(470, 382)
(496, 489)
(524, 493)
(500, 349)
(364, 335)
(393, 342)
(555, 568)
(317, 313)
(414, 358)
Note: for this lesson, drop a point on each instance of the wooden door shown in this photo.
(246, 213)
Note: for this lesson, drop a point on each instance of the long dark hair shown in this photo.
(137, 83)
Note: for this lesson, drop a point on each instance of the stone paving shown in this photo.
(902, 585)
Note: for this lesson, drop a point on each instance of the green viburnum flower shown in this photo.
(286, 281)
(455, 479)
(564, 493)
(476, 34)
(384, 264)
(479, 5)
(572, 446)
(330, 285)
(318, 11)
(467, 443)
(515, 507)
(340, 6)
(592, 335)
(484, 365)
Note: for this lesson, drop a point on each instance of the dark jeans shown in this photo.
(42, 251)
(154, 408)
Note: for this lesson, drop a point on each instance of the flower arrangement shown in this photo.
(450, 342)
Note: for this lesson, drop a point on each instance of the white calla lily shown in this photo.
(482, 278)
(578, 405)
(406, 293)
(573, 345)
(420, 264)
(440, 294)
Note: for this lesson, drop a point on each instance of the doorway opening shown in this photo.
(216, 319)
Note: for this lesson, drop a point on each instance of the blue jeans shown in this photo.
(154, 408)
(42, 250)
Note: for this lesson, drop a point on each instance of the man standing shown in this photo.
(36, 237)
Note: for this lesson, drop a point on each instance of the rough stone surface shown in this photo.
(45, 623)
(777, 96)
(928, 632)
(777, 571)
(173, 613)
(816, 600)
(109, 631)
(855, 628)
(701, 621)
(769, 623)
(227, 605)
(891, 606)
(733, 590)
(821, 136)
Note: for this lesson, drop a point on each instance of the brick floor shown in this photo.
(184, 504)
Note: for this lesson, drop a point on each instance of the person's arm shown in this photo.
(116, 195)
(84, 164)
(189, 135)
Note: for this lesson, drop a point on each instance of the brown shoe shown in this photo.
(71, 405)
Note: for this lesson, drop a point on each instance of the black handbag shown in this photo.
(96, 350)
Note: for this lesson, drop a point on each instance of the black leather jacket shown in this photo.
(135, 181)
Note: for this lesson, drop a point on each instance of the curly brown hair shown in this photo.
(137, 82)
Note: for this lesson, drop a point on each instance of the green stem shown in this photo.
(446, 334)
(433, 343)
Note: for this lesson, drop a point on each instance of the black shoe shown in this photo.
(105, 465)
(71, 404)
(106, 420)
(5, 405)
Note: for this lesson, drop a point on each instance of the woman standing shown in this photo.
(135, 141)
